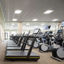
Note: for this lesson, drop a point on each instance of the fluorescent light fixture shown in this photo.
(35, 20)
(13, 24)
(42, 24)
(14, 19)
(55, 20)
(18, 11)
(27, 24)
(48, 11)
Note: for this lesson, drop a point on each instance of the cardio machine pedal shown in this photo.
(56, 58)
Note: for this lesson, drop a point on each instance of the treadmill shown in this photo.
(24, 55)
(18, 47)
(16, 41)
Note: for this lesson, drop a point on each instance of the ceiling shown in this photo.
(33, 9)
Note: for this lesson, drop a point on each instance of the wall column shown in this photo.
(59, 25)
(19, 27)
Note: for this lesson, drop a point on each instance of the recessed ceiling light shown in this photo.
(18, 11)
(48, 11)
(55, 20)
(14, 19)
(27, 24)
(35, 20)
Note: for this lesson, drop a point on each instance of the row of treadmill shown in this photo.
(16, 49)
(20, 46)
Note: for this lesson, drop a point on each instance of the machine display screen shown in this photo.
(59, 31)
(62, 24)
(47, 27)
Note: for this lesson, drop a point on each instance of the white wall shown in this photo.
(1, 33)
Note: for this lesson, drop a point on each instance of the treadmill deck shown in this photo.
(20, 55)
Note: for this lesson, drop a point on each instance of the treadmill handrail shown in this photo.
(31, 47)
(25, 42)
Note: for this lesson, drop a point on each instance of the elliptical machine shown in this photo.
(58, 54)
(37, 32)
(48, 41)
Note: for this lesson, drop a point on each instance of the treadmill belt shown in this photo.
(19, 53)
(10, 42)
(13, 48)
(11, 45)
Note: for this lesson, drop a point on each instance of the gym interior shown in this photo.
(31, 31)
